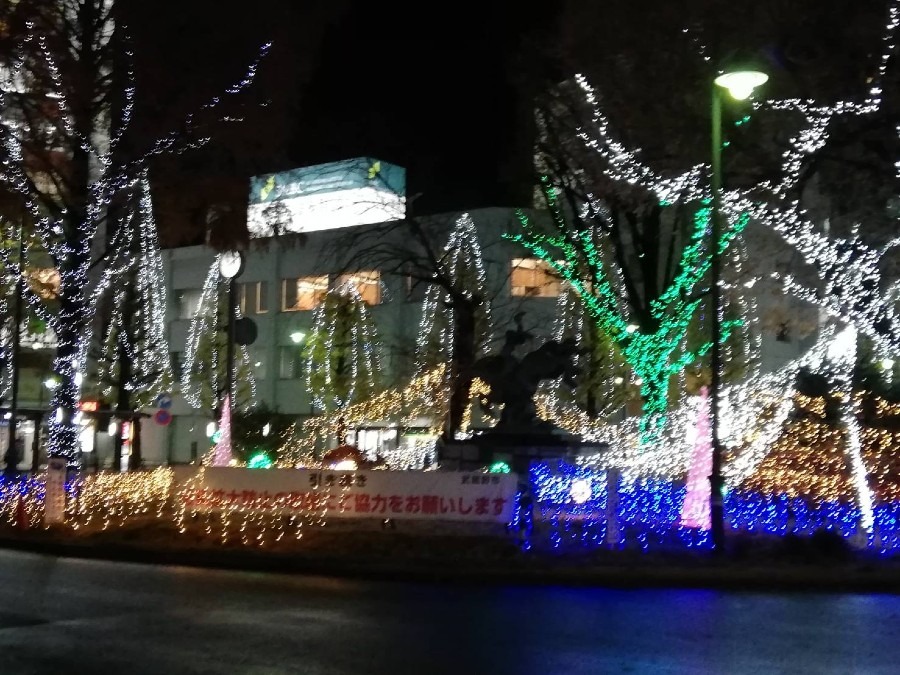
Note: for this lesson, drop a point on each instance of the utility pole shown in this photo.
(17, 323)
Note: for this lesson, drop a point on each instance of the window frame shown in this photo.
(552, 281)
(362, 280)
(318, 295)
(179, 303)
(259, 290)
(295, 355)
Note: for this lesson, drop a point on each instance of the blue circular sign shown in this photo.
(162, 417)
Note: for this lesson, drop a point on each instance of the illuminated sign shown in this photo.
(89, 406)
(352, 192)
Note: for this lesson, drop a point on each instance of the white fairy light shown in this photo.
(136, 329)
(73, 234)
(461, 271)
(343, 366)
(850, 289)
(203, 377)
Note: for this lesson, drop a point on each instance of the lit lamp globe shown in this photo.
(741, 83)
(231, 264)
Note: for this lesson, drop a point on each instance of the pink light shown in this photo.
(695, 510)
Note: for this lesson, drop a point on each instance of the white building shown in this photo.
(332, 208)
(325, 218)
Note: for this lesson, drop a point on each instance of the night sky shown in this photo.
(447, 90)
(439, 90)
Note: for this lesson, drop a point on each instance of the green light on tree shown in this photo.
(260, 460)
(499, 467)
(654, 349)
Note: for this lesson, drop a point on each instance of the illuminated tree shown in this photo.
(651, 339)
(204, 379)
(455, 324)
(846, 277)
(456, 318)
(603, 380)
(66, 154)
(343, 365)
(132, 362)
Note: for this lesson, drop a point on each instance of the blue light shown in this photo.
(648, 513)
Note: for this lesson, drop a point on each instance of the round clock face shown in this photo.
(230, 263)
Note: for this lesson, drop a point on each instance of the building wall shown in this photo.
(397, 318)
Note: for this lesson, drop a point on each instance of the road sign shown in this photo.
(245, 331)
(162, 417)
(164, 401)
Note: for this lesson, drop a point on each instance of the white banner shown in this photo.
(420, 495)
(55, 491)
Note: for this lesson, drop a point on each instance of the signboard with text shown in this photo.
(360, 191)
(420, 495)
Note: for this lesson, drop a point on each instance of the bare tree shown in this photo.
(67, 101)
(441, 261)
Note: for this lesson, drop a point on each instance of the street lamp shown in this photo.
(231, 264)
(739, 84)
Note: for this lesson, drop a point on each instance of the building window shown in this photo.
(533, 278)
(257, 364)
(367, 284)
(290, 363)
(254, 297)
(44, 281)
(187, 302)
(304, 293)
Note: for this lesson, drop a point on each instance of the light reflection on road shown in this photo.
(75, 616)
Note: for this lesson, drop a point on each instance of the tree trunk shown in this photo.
(136, 459)
(123, 403)
(460, 366)
(655, 395)
(73, 259)
(590, 404)
(63, 438)
(36, 446)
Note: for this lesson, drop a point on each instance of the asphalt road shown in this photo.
(75, 617)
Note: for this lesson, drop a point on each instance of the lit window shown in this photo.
(262, 297)
(533, 278)
(253, 297)
(368, 285)
(304, 293)
(44, 281)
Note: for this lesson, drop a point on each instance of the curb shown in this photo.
(703, 574)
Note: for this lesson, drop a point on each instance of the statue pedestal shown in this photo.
(518, 449)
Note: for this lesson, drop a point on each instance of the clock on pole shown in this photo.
(231, 264)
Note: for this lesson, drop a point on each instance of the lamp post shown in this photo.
(740, 84)
(231, 264)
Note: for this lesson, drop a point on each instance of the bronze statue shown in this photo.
(514, 381)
